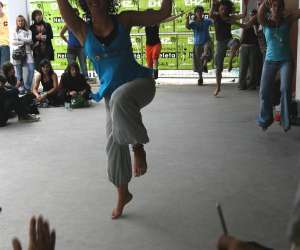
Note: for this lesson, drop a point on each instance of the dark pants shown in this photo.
(248, 66)
(10, 101)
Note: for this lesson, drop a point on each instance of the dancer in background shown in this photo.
(75, 49)
(126, 86)
(276, 27)
(222, 14)
(202, 50)
(153, 44)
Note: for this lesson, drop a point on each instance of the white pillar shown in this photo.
(298, 63)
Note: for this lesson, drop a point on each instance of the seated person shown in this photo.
(73, 86)
(48, 78)
(28, 99)
(10, 75)
(10, 101)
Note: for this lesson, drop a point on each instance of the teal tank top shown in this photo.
(114, 64)
(278, 42)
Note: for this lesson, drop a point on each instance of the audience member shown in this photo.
(40, 236)
(48, 78)
(22, 40)
(4, 37)
(73, 87)
(10, 102)
(41, 36)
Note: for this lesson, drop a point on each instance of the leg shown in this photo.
(82, 62)
(30, 75)
(155, 57)
(253, 66)
(219, 61)
(265, 117)
(197, 62)
(119, 166)
(244, 64)
(19, 71)
(149, 56)
(5, 55)
(285, 90)
(234, 47)
(71, 55)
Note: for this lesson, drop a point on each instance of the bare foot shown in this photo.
(117, 212)
(217, 91)
(139, 160)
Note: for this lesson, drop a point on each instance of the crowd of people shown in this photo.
(126, 86)
(32, 50)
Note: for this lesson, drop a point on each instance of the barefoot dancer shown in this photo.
(126, 86)
(221, 13)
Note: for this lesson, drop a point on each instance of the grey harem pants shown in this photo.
(124, 126)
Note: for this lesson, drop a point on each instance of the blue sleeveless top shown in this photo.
(115, 63)
(278, 42)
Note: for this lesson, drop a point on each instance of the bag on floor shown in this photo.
(79, 101)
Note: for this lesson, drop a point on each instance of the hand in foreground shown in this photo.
(40, 237)
(232, 243)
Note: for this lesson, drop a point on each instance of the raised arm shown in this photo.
(262, 12)
(294, 16)
(62, 33)
(240, 16)
(187, 21)
(213, 9)
(248, 24)
(148, 17)
(73, 21)
(171, 18)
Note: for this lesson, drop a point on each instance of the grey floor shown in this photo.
(202, 150)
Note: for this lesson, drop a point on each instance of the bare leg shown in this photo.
(139, 160)
(124, 197)
(155, 68)
(233, 51)
(218, 78)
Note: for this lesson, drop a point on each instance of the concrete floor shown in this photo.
(202, 150)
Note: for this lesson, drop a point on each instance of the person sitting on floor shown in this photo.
(48, 79)
(73, 87)
(28, 99)
(10, 101)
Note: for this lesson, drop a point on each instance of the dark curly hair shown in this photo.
(113, 7)
(72, 65)
(228, 4)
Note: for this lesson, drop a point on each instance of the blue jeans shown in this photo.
(73, 53)
(270, 68)
(4, 55)
(29, 79)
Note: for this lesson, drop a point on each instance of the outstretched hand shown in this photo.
(40, 237)
(232, 243)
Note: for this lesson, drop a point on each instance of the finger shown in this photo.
(46, 234)
(52, 240)
(32, 231)
(16, 244)
(40, 229)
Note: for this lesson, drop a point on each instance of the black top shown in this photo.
(223, 29)
(42, 48)
(70, 83)
(47, 85)
(152, 35)
(249, 36)
(109, 38)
